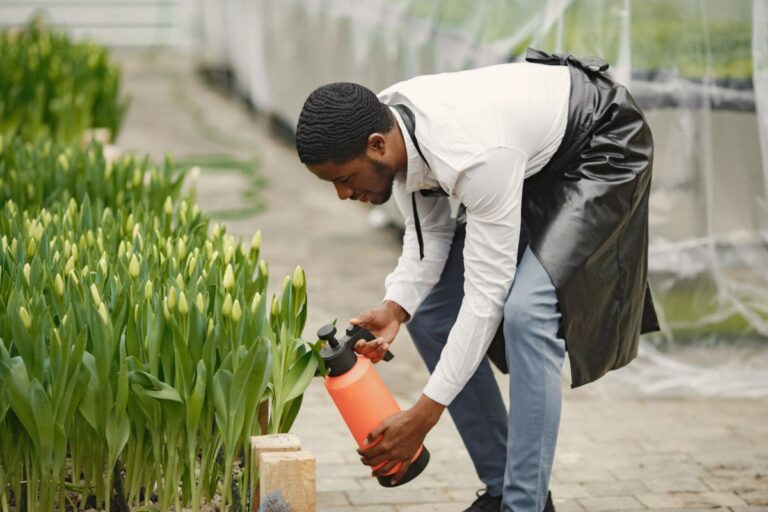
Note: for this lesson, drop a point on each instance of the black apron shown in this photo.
(585, 216)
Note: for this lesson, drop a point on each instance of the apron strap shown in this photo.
(589, 64)
(409, 120)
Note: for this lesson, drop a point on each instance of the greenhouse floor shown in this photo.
(615, 453)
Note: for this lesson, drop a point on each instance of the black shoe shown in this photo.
(549, 507)
(485, 503)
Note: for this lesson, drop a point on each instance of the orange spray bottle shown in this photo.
(360, 395)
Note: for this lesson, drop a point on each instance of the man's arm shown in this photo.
(492, 193)
(413, 278)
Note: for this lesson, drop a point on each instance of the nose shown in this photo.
(343, 191)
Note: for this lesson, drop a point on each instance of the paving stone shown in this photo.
(740, 483)
(357, 508)
(755, 498)
(666, 485)
(613, 488)
(330, 498)
(690, 499)
(562, 490)
(338, 484)
(397, 496)
(609, 503)
(446, 506)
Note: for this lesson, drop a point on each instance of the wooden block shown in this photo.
(264, 416)
(293, 474)
(266, 444)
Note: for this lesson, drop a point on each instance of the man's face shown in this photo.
(363, 179)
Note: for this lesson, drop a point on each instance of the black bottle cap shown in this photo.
(339, 356)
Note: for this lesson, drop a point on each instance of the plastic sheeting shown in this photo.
(699, 69)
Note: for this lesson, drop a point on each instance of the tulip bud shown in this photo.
(256, 243)
(200, 303)
(216, 230)
(121, 249)
(103, 313)
(85, 270)
(25, 318)
(58, 283)
(27, 271)
(229, 278)
(103, 263)
(226, 307)
(90, 238)
(194, 211)
(255, 302)
(74, 278)
(75, 251)
(263, 268)
(129, 223)
(31, 247)
(172, 295)
(181, 248)
(180, 281)
(14, 246)
(275, 306)
(183, 307)
(166, 312)
(192, 266)
(133, 267)
(237, 312)
(148, 290)
(298, 278)
(69, 266)
(136, 230)
(168, 206)
(208, 248)
(210, 326)
(229, 251)
(95, 294)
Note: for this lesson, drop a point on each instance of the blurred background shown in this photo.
(698, 68)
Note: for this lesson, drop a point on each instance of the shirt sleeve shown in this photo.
(492, 193)
(413, 278)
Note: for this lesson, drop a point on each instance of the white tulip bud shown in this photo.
(298, 278)
(172, 295)
(200, 303)
(58, 283)
(229, 278)
(95, 294)
(237, 312)
(133, 267)
(183, 307)
(255, 302)
(148, 290)
(103, 313)
(25, 318)
(226, 307)
(27, 271)
(168, 206)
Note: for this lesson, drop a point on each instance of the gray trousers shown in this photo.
(513, 450)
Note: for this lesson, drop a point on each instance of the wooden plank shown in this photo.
(279, 443)
(294, 475)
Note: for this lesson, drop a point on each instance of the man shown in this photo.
(551, 162)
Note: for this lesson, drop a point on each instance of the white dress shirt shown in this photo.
(482, 132)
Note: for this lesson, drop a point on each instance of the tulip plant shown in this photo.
(136, 345)
(42, 173)
(51, 85)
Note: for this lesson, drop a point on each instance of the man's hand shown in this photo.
(398, 437)
(383, 322)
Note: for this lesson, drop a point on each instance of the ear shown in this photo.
(377, 144)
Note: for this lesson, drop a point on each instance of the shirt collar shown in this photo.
(417, 172)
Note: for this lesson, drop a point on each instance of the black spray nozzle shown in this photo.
(339, 355)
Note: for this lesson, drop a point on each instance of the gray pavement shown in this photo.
(615, 453)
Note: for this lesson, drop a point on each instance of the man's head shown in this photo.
(347, 136)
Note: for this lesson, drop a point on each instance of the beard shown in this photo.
(386, 176)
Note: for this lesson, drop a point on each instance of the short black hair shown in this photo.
(336, 121)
